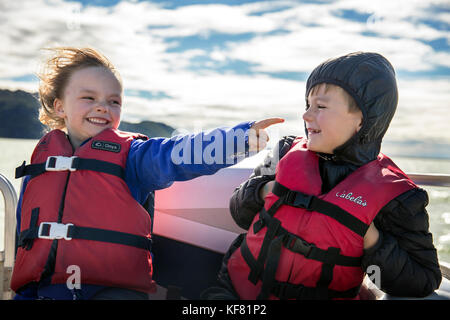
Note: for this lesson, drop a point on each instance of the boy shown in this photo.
(337, 206)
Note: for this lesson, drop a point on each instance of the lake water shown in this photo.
(14, 151)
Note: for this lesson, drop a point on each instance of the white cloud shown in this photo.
(423, 111)
(303, 50)
(134, 36)
(317, 33)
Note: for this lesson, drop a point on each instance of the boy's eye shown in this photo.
(115, 102)
(88, 98)
(321, 107)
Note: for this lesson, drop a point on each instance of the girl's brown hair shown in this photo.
(56, 74)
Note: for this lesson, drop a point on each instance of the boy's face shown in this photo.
(328, 121)
(91, 103)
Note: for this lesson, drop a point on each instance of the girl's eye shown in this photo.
(115, 102)
(88, 98)
(321, 107)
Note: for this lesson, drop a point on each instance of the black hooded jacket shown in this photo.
(404, 251)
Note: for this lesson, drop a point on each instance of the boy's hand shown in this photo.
(266, 189)
(257, 136)
(371, 236)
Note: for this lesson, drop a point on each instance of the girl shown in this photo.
(80, 207)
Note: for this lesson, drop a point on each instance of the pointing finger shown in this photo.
(262, 124)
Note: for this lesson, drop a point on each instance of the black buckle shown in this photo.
(299, 200)
(297, 245)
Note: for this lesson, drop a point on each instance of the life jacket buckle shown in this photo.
(299, 200)
(60, 163)
(54, 230)
(297, 245)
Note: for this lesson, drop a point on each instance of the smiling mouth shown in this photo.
(314, 131)
(97, 121)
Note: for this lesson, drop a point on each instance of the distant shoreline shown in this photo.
(19, 112)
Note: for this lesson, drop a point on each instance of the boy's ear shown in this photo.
(59, 108)
(359, 124)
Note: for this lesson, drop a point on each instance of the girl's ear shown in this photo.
(59, 108)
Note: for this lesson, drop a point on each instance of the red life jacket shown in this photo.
(308, 245)
(79, 211)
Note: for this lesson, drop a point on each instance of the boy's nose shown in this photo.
(307, 115)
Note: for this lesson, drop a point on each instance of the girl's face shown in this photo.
(91, 103)
(328, 120)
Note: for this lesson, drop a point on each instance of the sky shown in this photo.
(197, 64)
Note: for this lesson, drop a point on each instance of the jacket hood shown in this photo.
(370, 79)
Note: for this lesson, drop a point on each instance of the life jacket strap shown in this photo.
(60, 163)
(271, 233)
(28, 234)
(326, 274)
(296, 244)
(268, 277)
(264, 267)
(59, 231)
(285, 290)
(258, 225)
(312, 203)
(310, 251)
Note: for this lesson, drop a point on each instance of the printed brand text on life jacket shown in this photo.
(349, 196)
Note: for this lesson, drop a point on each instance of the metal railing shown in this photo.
(7, 256)
(430, 179)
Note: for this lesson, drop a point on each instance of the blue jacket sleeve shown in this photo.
(156, 163)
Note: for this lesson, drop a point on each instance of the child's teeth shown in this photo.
(97, 120)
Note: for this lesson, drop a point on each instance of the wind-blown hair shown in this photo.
(56, 74)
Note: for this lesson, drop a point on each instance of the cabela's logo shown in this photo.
(349, 196)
